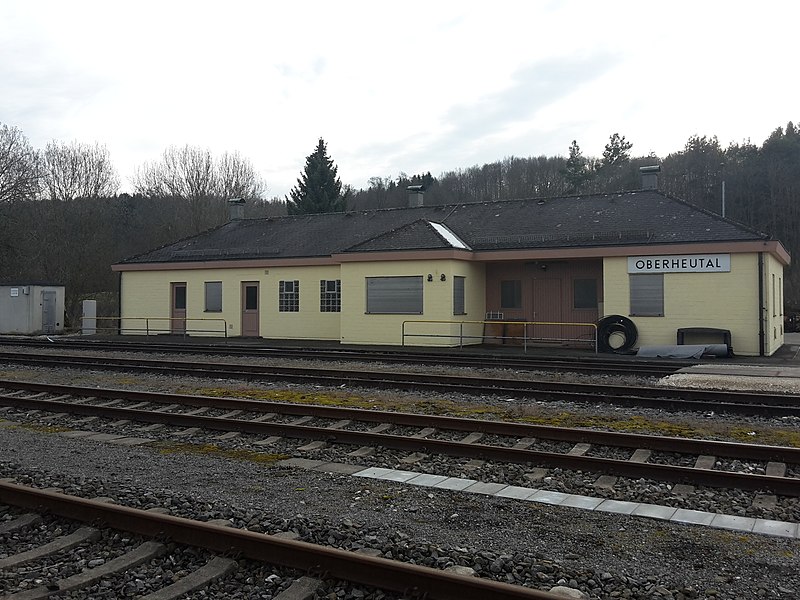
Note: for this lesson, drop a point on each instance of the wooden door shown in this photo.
(547, 306)
(178, 312)
(250, 301)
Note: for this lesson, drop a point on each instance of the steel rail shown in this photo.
(662, 398)
(724, 479)
(586, 364)
(381, 573)
(502, 428)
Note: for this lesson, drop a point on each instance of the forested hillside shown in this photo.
(62, 220)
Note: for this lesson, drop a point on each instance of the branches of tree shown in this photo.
(19, 166)
(76, 170)
(204, 182)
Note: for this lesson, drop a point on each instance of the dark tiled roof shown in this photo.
(419, 235)
(628, 218)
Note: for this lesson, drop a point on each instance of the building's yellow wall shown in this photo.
(720, 300)
(437, 297)
(147, 294)
(773, 302)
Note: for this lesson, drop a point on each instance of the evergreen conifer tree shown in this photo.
(576, 171)
(318, 189)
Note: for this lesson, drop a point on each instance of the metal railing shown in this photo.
(590, 338)
(156, 325)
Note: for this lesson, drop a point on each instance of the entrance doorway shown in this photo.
(547, 306)
(178, 312)
(250, 320)
(48, 312)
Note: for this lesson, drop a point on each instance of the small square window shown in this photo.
(330, 295)
(511, 294)
(584, 294)
(289, 296)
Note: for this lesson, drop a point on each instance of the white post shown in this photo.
(89, 320)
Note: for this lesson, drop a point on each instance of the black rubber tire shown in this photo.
(616, 324)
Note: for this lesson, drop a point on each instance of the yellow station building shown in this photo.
(469, 273)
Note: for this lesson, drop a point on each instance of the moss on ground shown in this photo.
(534, 415)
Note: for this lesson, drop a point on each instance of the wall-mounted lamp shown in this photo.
(443, 277)
(430, 277)
(543, 267)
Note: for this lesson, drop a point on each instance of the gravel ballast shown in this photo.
(604, 555)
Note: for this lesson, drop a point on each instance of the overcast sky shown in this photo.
(394, 86)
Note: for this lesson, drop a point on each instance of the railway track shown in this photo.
(219, 544)
(685, 461)
(452, 357)
(744, 403)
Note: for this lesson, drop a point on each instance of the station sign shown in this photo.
(680, 263)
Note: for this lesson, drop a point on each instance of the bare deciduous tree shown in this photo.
(19, 166)
(238, 178)
(76, 170)
(193, 175)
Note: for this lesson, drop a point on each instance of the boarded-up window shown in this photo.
(584, 294)
(394, 295)
(289, 296)
(458, 296)
(213, 296)
(647, 295)
(511, 294)
(330, 295)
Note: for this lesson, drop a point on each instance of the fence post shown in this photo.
(525, 338)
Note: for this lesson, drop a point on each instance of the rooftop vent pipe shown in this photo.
(415, 195)
(236, 209)
(650, 177)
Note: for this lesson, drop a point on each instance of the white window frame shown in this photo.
(330, 295)
(289, 295)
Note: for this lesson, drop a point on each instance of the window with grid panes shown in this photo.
(330, 295)
(289, 296)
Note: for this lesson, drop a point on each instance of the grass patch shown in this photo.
(773, 437)
(262, 458)
(530, 414)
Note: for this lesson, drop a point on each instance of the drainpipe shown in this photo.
(119, 302)
(761, 340)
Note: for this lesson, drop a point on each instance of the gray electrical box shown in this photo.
(31, 308)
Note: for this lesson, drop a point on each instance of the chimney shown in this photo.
(650, 177)
(415, 195)
(236, 209)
